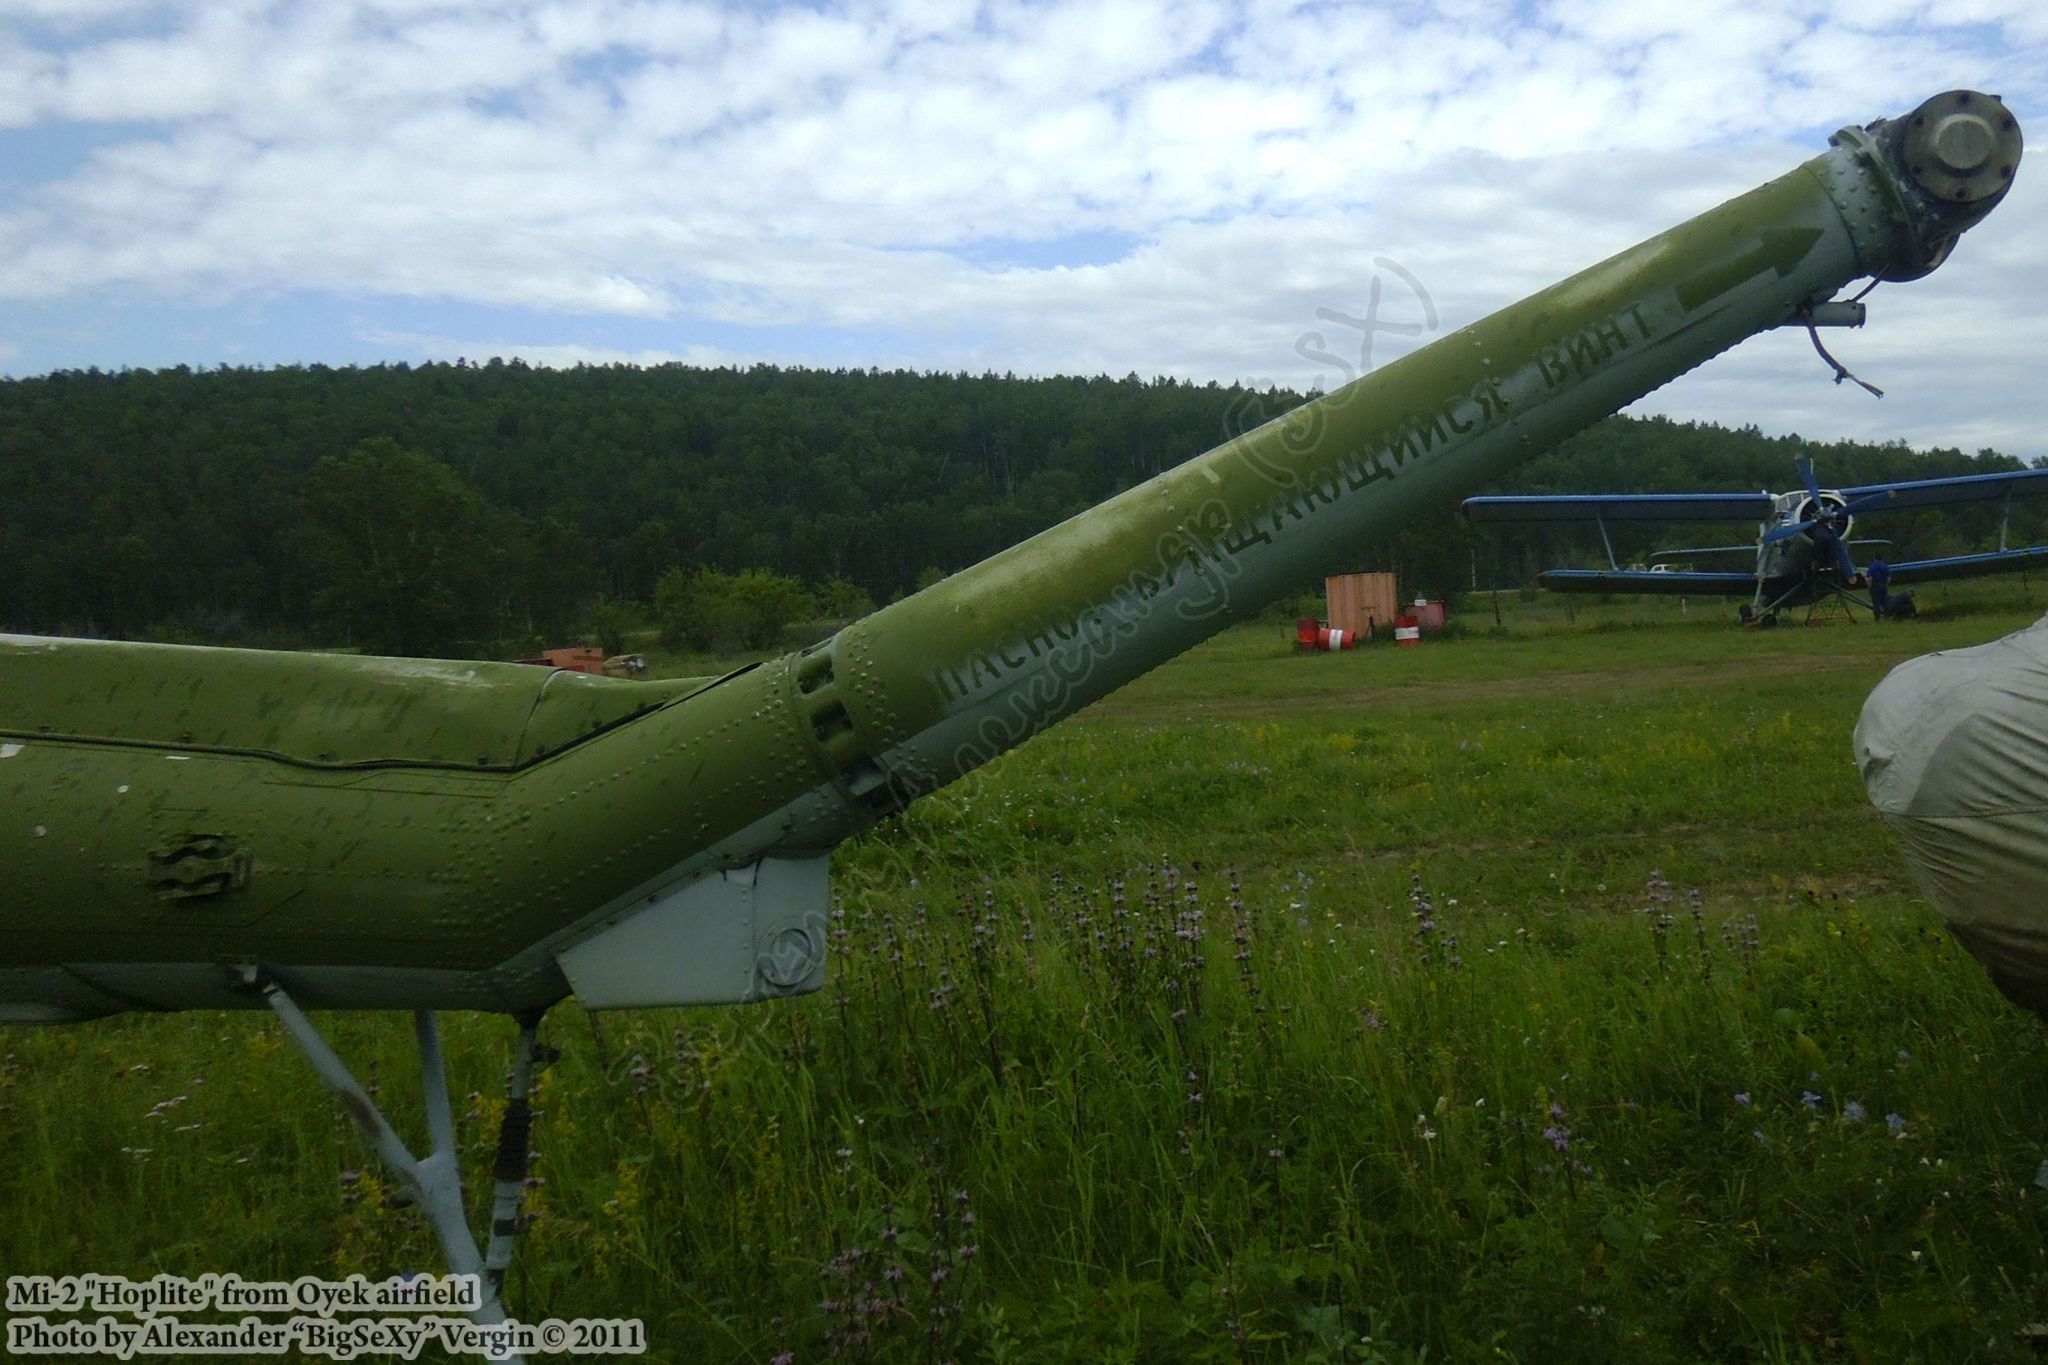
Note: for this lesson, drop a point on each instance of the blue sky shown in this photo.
(1130, 185)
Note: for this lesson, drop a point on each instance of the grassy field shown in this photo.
(1548, 992)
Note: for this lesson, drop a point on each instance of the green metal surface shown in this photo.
(332, 710)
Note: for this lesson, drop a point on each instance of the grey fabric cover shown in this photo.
(1953, 748)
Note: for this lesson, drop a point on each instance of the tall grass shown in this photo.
(1451, 1013)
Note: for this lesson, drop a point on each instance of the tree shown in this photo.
(406, 554)
(711, 610)
(555, 575)
(174, 498)
(609, 620)
(840, 600)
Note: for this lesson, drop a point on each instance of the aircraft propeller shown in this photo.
(1823, 512)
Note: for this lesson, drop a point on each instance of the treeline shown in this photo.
(440, 508)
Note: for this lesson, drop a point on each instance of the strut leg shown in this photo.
(508, 1193)
(1843, 599)
(1780, 600)
(435, 1181)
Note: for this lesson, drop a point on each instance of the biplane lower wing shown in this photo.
(1747, 551)
(1701, 551)
(1969, 566)
(1674, 584)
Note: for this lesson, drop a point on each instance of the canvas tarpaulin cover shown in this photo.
(1953, 747)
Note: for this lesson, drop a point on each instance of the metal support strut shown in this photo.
(508, 1191)
(435, 1181)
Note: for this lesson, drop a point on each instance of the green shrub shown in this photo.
(610, 620)
(710, 610)
(842, 600)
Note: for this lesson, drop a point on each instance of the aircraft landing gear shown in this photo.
(435, 1181)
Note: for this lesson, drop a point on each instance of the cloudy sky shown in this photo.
(1181, 187)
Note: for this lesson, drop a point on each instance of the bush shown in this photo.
(1293, 607)
(842, 600)
(609, 622)
(710, 610)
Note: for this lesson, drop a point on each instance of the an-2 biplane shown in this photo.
(1803, 554)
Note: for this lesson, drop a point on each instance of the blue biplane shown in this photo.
(1803, 553)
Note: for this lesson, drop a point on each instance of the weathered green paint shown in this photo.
(326, 710)
(430, 834)
(1778, 249)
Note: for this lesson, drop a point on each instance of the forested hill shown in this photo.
(197, 503)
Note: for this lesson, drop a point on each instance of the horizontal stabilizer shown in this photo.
(1969, 566)
(1630, 580)
(1893, 497)
(1623, 507)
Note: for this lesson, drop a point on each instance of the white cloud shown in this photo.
(23, 73)
(854, 167)
(72, 13)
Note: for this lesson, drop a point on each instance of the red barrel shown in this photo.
(1320, 635)
(1407, 631)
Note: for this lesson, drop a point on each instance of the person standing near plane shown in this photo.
(1879, 576)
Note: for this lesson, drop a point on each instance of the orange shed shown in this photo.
(1356, 602)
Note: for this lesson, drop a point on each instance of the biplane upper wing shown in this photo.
(1623, 507)
(1673, 583)
(1889, 497)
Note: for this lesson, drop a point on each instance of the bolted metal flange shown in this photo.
(1962, 147)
